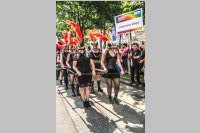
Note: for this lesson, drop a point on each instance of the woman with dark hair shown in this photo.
(96, 56)
(109, 61)
(71, 72)
(84, 66)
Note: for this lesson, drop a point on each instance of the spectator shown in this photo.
(124, 56)
(135, 59)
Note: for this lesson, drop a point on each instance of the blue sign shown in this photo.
(113, 34)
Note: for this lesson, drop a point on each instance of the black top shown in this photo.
(96, 57)
(64, 57)
(134, 54)
(83, 62)
(111, 61)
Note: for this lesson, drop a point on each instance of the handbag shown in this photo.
(118, 68)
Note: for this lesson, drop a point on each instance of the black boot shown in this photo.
(87, 104)
(77, 89)
(99, 86)
(60, 82)
(92, 87)
(66, 86)
(73, 93)
(111, 100)
(115, 99)
(84, 104)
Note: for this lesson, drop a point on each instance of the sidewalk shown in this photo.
(103, 117)
(64, 123)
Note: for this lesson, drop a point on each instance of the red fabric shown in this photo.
(69, 37)
(76, 29)
(93, 33)
(58, 46)
(65, 36)
(62, 41)
(75, 40)
(90, 34)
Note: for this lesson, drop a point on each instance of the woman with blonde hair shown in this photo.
(109, 62)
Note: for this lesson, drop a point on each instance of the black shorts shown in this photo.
(71, 71)
(84, 80)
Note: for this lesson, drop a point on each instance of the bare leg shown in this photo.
(87, 89)
(87, 92)
(82, 91)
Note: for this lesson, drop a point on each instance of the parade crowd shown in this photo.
(79, 67)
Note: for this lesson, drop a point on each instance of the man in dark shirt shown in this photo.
(136, 57)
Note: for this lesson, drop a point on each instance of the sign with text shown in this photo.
(128, 22)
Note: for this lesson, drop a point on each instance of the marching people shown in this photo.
(63, 62)
(71, 72)
(109, 61)
(58, 65)
(84, 66)
(96, 56)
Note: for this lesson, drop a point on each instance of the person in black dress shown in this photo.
(96, 56)
(109, 61)
(84, 66)
(71, 72)
(64, 65)
(58, 65)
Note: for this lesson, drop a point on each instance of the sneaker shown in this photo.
(110, 100)
(116, 100)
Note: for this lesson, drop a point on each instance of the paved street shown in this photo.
(103, 117)
(64, 123)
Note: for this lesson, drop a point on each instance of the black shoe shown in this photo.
(88, 105)
(116, 100)
(110, 100)
(131, 83)
(100, 90)
(66, 87)
(73, 94)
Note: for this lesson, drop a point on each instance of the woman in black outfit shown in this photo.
(109, 60)
(84, 67)
(63, 61)
(96, 56)
(71, 72)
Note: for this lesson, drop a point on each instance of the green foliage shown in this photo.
(90, 14)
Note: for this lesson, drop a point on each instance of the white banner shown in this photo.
(131, 21)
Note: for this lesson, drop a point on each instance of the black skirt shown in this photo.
(113, 73)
